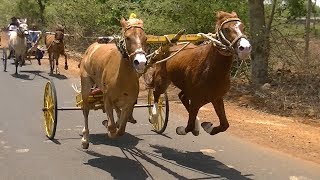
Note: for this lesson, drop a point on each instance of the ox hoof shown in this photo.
(207, 126)
(181, 130)
(112, 135)
(120, 133)
(66, 67)
(85, 145)
(132, 120)
(105, 123)
(195, 133)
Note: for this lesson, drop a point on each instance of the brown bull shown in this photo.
(115, 70)
(202, 73)
(56, 47)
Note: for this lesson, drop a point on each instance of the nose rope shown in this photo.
(138, 51)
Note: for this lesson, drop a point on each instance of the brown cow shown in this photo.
(202, 73)
(115, 70)
(56, 47)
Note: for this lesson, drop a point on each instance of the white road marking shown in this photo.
(229, 166)
(3, 142)
(210, 151)
(22, 150)
(69, 129)
(79, 126)
(1, 131)
(298, 178)
(7, 147)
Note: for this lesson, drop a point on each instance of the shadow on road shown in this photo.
(22, 76)
(131, 168)
(125, 141)
(199, 162)
(59, 76)
(35, 73)
(118, 167)
(40, 74)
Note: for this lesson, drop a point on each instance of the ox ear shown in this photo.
(234, 14)
(140, 23)
(220, 14)
(123, 23)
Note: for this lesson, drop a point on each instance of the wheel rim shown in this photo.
(4, 59)
(49, 113)
(160, 123)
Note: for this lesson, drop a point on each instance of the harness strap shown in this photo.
(221, 35)
(132, 25)
(120, 43)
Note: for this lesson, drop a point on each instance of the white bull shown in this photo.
(18, 42)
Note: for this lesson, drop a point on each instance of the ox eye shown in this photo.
(226, 30)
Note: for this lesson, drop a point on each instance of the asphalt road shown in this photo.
(26, 153)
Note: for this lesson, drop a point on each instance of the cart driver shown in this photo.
(34, 36)
(33, 41)
(14, 24)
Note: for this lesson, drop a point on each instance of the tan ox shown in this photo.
(56, 47)
(116, 74)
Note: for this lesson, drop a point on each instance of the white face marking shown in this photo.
(142, 60)
(244, 43)
(244, 53)
(138, 39)
(237, 28)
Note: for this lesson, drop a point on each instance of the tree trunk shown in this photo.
(41, 10)
(260, 42)
(307, 37)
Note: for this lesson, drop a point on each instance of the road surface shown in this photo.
(26, 153)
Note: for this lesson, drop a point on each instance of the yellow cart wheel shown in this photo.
(160, 125)
(50, 109)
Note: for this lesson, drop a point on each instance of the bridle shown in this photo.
(124, 45)
(221, 36)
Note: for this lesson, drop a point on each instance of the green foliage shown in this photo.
(101, 17)
(28, 8)
(296, 8)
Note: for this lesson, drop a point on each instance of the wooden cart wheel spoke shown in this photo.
(50, 111)
(160, 124)
(50, 107)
